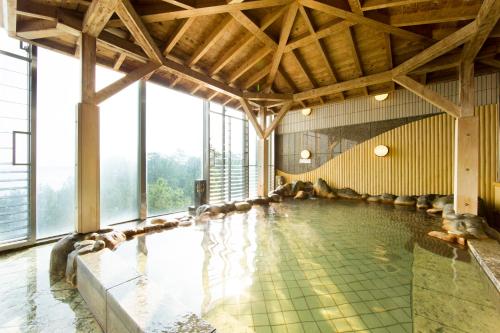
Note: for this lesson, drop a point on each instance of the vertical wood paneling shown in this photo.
(420, 160)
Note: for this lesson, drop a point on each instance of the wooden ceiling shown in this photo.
(222, 51)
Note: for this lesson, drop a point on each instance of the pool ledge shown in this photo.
(487, 254)
(123, 300)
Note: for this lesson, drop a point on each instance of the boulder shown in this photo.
(274, 197)
(301, 195)
(260, 201)
(284, 190)
(441, 201)
(158, 221)
(347, 193)
(242, 206)
(434, 211)
(443, 236)
(373, 198)
(463, 225)
(364, 196)
(423, 202)
(297, 186)
(229, 207)
(405, 200)
(387, 198)
(112, 238)
(202, 209)
(59, 255)
(80, 248)
(279, 180)
(322, 190)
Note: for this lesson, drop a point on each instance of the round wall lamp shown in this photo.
(381, 97)
(306, 111)
(381, 150)
(305, 154)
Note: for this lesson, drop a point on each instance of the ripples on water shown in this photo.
(319, 266)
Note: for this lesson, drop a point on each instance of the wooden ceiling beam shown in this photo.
(286, 28)
(491, 62)
(231, 53)
(486, 20)
(441, 15)
(443, 46)
(334, 27)
(277, 118)
(319, 46)
(180, 30)
(162, 16)
(379, 4)
(243, 68)
(214, 36)
(379, 26)
(256, 77)
(134, 24)
(36, 29)
(251, 117)
(261, 96)
(125, 81)
(174, 82)
(356, 9)
(248, 24)
(429, 95)
(181, 4)
(9, 16)
(119, 61)
(97, 16)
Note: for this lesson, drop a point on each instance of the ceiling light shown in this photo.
(381, 150)
(306, 111)
(305, 153)
(381, 97)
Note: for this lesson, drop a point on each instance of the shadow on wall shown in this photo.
(420, 160)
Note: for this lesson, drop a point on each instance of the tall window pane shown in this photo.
(174, 140)
(57, 95)
(119, 131)
(253, 170)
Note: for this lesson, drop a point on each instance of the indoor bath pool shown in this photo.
(320, 266)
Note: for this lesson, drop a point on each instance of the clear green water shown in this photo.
(320, 266)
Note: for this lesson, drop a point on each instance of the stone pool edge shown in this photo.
(486, 252)
(123, 300)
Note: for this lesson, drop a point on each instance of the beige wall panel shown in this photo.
(420, 159)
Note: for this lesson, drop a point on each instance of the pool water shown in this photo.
(320, 266)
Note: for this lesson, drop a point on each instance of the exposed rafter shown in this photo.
(97, 16)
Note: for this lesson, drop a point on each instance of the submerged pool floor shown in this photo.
(320, 266)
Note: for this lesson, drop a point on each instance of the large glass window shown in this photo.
(56, 113)
(228, 154)
(14, 141)
(174, 141)
(119, 138)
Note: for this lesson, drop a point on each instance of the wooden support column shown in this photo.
(87, 160)
(263, 158)
(466, 173)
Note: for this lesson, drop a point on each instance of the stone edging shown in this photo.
(486, 253)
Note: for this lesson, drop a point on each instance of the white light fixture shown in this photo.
(305, 154)
(381, 150)
(306, 111)
(381, 97)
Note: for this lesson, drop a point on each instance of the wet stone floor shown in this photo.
(28, 303)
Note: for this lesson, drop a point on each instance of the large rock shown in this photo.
(112, 238)
(297, 186)
(242, 206)
(202, 209)
(260, 201)
(284, 190)
(405, 200)
(279, 180)
(441, 201)
(322, 190)
(59, 255)
(274, 197)
(373, 198)
(463, 225)
(387, 198)
(423, 202)
(347, 193)
(80, 248)
(301, 195)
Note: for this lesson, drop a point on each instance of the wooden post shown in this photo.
(87, 161)
(263, 157)
(466, 173)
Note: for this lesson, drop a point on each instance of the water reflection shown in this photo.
(317, 265)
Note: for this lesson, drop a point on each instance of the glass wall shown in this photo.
(14, 141)
(253, 168)
(119, 138)
(56, 132)
(174, 141)
(228, 154)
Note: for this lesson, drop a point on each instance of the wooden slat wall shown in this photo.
(420, 160)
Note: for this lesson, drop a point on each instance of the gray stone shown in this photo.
(322, 190)
(274, 197)
(364, 196)
(284, 190)
(441, 201)
(373, 198)
(112, 238)
(301, 195)
(347, 193)
(423, 202)
(279, 180)
(59, 255)
(242, 206)
(297, 186)
(260, 201)
(387, 198)
(463, 225)
(202, 209)
(405, 200)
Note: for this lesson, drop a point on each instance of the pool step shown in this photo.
(123, 300)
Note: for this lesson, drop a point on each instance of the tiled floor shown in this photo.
(29, 303)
